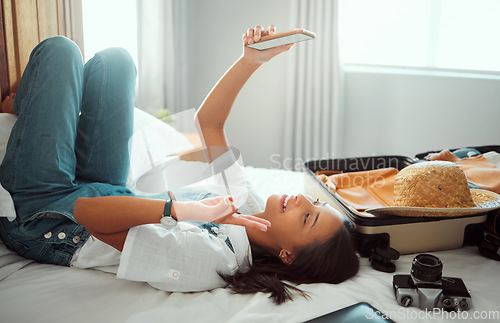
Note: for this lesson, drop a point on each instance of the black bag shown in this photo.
(490, 244)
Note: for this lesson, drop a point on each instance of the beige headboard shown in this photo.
(24, 23)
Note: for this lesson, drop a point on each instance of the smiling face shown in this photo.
(298, 221)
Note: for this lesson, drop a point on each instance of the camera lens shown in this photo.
(426, 268)
(447, 303)
(464, 305)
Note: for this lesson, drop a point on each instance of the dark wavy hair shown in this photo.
(332, 261)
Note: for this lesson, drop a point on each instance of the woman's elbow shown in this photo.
(199, 122)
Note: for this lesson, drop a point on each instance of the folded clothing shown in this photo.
(478, 169)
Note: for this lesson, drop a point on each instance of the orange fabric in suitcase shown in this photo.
(362, 190)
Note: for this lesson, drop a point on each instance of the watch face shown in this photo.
(168, 221)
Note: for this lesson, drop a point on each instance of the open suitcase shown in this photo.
(384, 238)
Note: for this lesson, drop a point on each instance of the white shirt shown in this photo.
(185, 258)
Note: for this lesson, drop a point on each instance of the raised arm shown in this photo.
(213, 113)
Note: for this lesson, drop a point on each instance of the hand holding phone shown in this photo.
(283, 38)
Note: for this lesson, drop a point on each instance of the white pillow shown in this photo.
(7, 121)
(152, 141)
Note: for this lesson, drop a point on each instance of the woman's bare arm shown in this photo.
(108, 218)
(215, 109)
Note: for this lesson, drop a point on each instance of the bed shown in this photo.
(33, 292)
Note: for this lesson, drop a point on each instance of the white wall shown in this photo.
(386, 112)
(391, 113)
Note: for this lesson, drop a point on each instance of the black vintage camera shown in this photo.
(427, 289)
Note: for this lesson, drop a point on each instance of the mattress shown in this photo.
(32, 292)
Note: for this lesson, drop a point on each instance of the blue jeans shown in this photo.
(70, 141)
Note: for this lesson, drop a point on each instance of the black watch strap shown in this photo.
(167, 219)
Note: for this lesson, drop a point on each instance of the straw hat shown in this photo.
(436, 188)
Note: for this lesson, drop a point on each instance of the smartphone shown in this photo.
(359, 312)
(283, 38)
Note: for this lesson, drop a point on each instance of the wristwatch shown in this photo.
(167, 219)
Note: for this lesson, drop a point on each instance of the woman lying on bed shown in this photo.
(66, 167)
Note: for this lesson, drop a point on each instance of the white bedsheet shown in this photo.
(46, 293)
